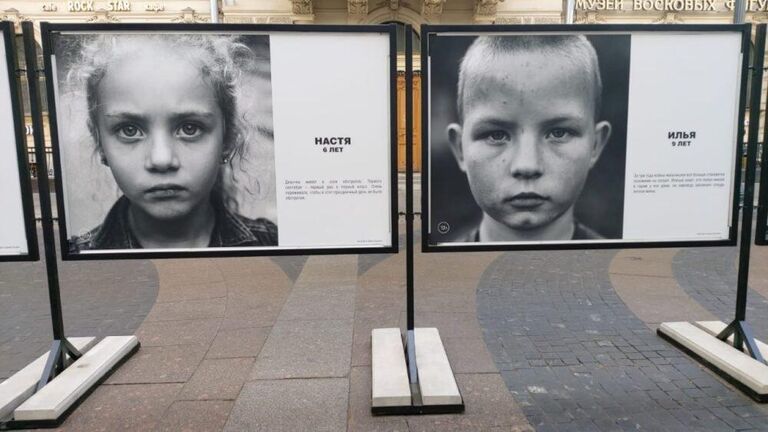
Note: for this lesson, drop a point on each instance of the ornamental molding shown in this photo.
(486, 8)
(546, 20)
(262, 19)
(669, 18)
(14, 16)
(273, 19)
(302, 7)
(516, 19)
(509, 20)
(189, 16)
(432, 8)
(238, 19)
(357, 7)
(590, 17)
(103, 16)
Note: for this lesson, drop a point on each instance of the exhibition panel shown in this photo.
(550, 137)
(18, 238)
(206, 140)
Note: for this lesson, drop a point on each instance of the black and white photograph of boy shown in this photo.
(527, 137)
(165, 140)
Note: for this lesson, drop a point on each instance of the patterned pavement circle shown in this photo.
(575, 357)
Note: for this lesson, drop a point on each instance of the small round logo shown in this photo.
(443, 227)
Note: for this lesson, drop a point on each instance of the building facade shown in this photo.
(413, 12)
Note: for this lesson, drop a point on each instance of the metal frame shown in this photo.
(761, 228)
(33, 254)
(739, 327)
(62, 352)
(428, 31)
(47, 29)
(417, 405)
(410, 339)
(761, 222)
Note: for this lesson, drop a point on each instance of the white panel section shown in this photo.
(13, 237)
(680, 188)
(325, 87)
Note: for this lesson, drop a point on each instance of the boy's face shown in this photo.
(529, 137)
(161, 132)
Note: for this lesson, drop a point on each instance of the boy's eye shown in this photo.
(560, 133)
(189, 130)
(496, 136)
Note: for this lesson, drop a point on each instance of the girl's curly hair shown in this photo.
(221, 59)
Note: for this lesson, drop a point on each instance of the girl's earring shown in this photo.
(225, 159)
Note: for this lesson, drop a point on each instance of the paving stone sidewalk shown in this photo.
(546, 340)
(709, 275)
(99, 298)
(576, 357)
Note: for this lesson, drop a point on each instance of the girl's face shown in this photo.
(161, 131)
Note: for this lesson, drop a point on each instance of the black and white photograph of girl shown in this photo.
(165, 140)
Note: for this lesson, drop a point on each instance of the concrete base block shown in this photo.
(393, 394)
(389, 385)
(746, 373)
(436, 381)
(715, 327)
(55, 399)
(21, 386)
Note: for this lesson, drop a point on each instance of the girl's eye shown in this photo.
(189, 130)
(128, 132)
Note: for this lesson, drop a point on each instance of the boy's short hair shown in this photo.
(575, 48)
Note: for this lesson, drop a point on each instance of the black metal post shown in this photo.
(57, 360)
(739, 328)
(410, 340)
